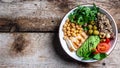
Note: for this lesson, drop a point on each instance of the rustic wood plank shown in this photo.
(44, 15)
(42, 50)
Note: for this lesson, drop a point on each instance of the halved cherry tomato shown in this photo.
(107, 40)
(103, 47)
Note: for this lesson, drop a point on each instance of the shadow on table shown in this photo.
(61, 53)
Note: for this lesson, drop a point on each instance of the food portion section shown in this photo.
(88, 33)
(73, 35)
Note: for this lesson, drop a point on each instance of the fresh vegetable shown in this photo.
(90, 31)
(100, 56)
(107, 40)
(95, 27)
(87, 47)
(84, 14)
(90, 26)
(92, 23)
(103, 47)
(95, 32)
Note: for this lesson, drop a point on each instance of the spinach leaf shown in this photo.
(100, 56)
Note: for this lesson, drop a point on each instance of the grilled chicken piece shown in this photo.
(75, 42)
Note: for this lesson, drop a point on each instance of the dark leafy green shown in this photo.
(84, 14)
(100, 56)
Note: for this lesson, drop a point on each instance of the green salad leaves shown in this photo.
(100, 56)
(84, 14)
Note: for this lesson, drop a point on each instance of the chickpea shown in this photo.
(65, 25)
(72, 29)
(65, 37)
(68, 32)
(68, 28)
(80, 31)
(73, 34)
(77, 31)
(77, 34)
(72, 24)
(77, 26)
(69, 35)
(67, 20)
(65, 34)
(64, 29)
(70, 38)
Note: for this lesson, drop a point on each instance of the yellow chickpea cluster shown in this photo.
(71, 29)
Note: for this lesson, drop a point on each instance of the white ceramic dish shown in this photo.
(73, 54)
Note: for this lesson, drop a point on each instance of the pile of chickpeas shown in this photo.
(71, 29)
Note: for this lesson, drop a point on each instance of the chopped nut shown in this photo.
(102, 35)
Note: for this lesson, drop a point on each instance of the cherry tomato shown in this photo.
(103, 47)
(107, 40)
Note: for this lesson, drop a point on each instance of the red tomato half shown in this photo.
(107, 40)
(103, 47)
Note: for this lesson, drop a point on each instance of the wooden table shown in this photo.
(32, 40)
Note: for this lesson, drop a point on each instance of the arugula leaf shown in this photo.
(100, 56)
(84, 14)
(71, 17)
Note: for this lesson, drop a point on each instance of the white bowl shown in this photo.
(73, 54)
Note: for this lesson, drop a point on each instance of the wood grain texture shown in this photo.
(45, 15)
(43, 50)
